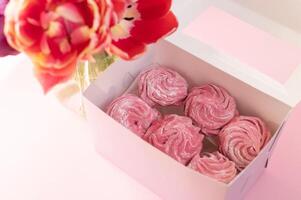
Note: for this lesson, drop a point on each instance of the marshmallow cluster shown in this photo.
(209, 112)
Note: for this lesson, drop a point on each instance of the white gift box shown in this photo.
(218, 42)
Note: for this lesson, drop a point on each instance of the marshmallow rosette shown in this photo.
(162, 86)
(214, 165)
(176, 136)
(211, 107)
(242, 139)
(133, 113)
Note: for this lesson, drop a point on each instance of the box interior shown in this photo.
(120, 78)
(250, 101)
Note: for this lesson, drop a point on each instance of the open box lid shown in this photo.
(242, 43)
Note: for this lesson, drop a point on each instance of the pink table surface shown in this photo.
(46, 153)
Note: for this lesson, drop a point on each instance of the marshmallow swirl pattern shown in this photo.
(133, 113)
(242, 139)
(211, 107)
(162, 86)
(176, 136)
(214, 165)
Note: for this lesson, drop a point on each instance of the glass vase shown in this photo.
(70, 94)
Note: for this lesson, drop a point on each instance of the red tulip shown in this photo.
(143, 22)
(56, 34)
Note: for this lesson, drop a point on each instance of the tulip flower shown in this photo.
(56, 34)
(144, 22)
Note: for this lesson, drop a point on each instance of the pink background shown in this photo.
(226, 33)
(47, 152)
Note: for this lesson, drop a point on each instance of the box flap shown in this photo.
(242, 43)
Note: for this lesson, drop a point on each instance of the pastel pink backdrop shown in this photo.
(47, 152)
